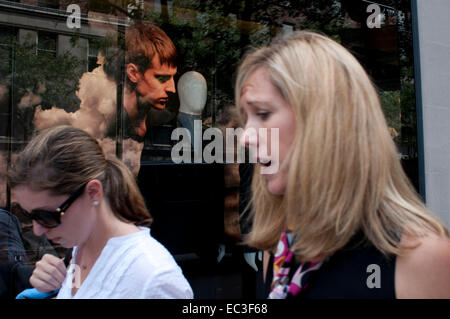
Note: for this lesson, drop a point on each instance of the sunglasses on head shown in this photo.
(47, 218)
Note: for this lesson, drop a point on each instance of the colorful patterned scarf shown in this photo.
(289, 277)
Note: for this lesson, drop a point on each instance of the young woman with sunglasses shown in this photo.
(79, 198)
(339, 216)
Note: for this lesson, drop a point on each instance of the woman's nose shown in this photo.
(38, 229)
(249, 137)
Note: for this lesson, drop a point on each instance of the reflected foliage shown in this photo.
(37, 79)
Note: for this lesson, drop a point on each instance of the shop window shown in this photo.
(53, 4)
(210, 37)
(8, 36)
(47, 43)
(288, 28)
(102, 6)
(92, 55)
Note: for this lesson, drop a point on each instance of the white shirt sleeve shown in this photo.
(155, 278)
(167, 285)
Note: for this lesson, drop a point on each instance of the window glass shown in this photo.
(93, 55)
(47, 43)
(54, 4)
(7, 39)
(60, 66)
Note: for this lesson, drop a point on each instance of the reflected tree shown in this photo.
(37, 78)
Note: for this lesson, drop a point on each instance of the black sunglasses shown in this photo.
(47, 218)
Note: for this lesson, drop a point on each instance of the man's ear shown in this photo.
(133, 73)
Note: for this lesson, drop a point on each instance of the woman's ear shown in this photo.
(133, 73)
(94, 190)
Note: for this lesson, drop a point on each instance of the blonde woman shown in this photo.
(78, 198)
(339, 215)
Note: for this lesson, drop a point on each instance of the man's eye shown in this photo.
(163, 78)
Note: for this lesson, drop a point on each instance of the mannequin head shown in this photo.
(192, 91)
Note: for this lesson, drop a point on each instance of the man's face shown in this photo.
(155, 83)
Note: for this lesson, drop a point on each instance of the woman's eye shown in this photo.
(263, 115)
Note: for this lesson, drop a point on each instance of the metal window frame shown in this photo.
(419, 102)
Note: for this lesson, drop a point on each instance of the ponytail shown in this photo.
(123, 194)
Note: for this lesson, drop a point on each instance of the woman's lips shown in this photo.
(268, 167)
(264, 161)
(266, 164)
(55, 240)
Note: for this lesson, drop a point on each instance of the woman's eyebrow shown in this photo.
(44, 207)
(258, 104)
(30, 211)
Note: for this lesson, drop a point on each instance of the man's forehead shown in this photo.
(165, 69)
(162, 69)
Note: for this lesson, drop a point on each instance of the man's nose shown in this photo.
(171, 86)
(38, 229)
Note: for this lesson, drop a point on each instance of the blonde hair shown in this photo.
(63, 158)
(344, 171)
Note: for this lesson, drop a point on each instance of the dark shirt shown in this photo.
(14, 269)
(348, 274)
(11, 245)
(128, 130)
(245, 193)
(155, 118)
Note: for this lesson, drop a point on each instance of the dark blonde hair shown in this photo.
(62, 158)
(344, 170)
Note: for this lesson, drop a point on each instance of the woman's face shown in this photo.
(264, 107)
(76, 223)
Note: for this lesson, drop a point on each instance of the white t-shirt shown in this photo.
(134, 266)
